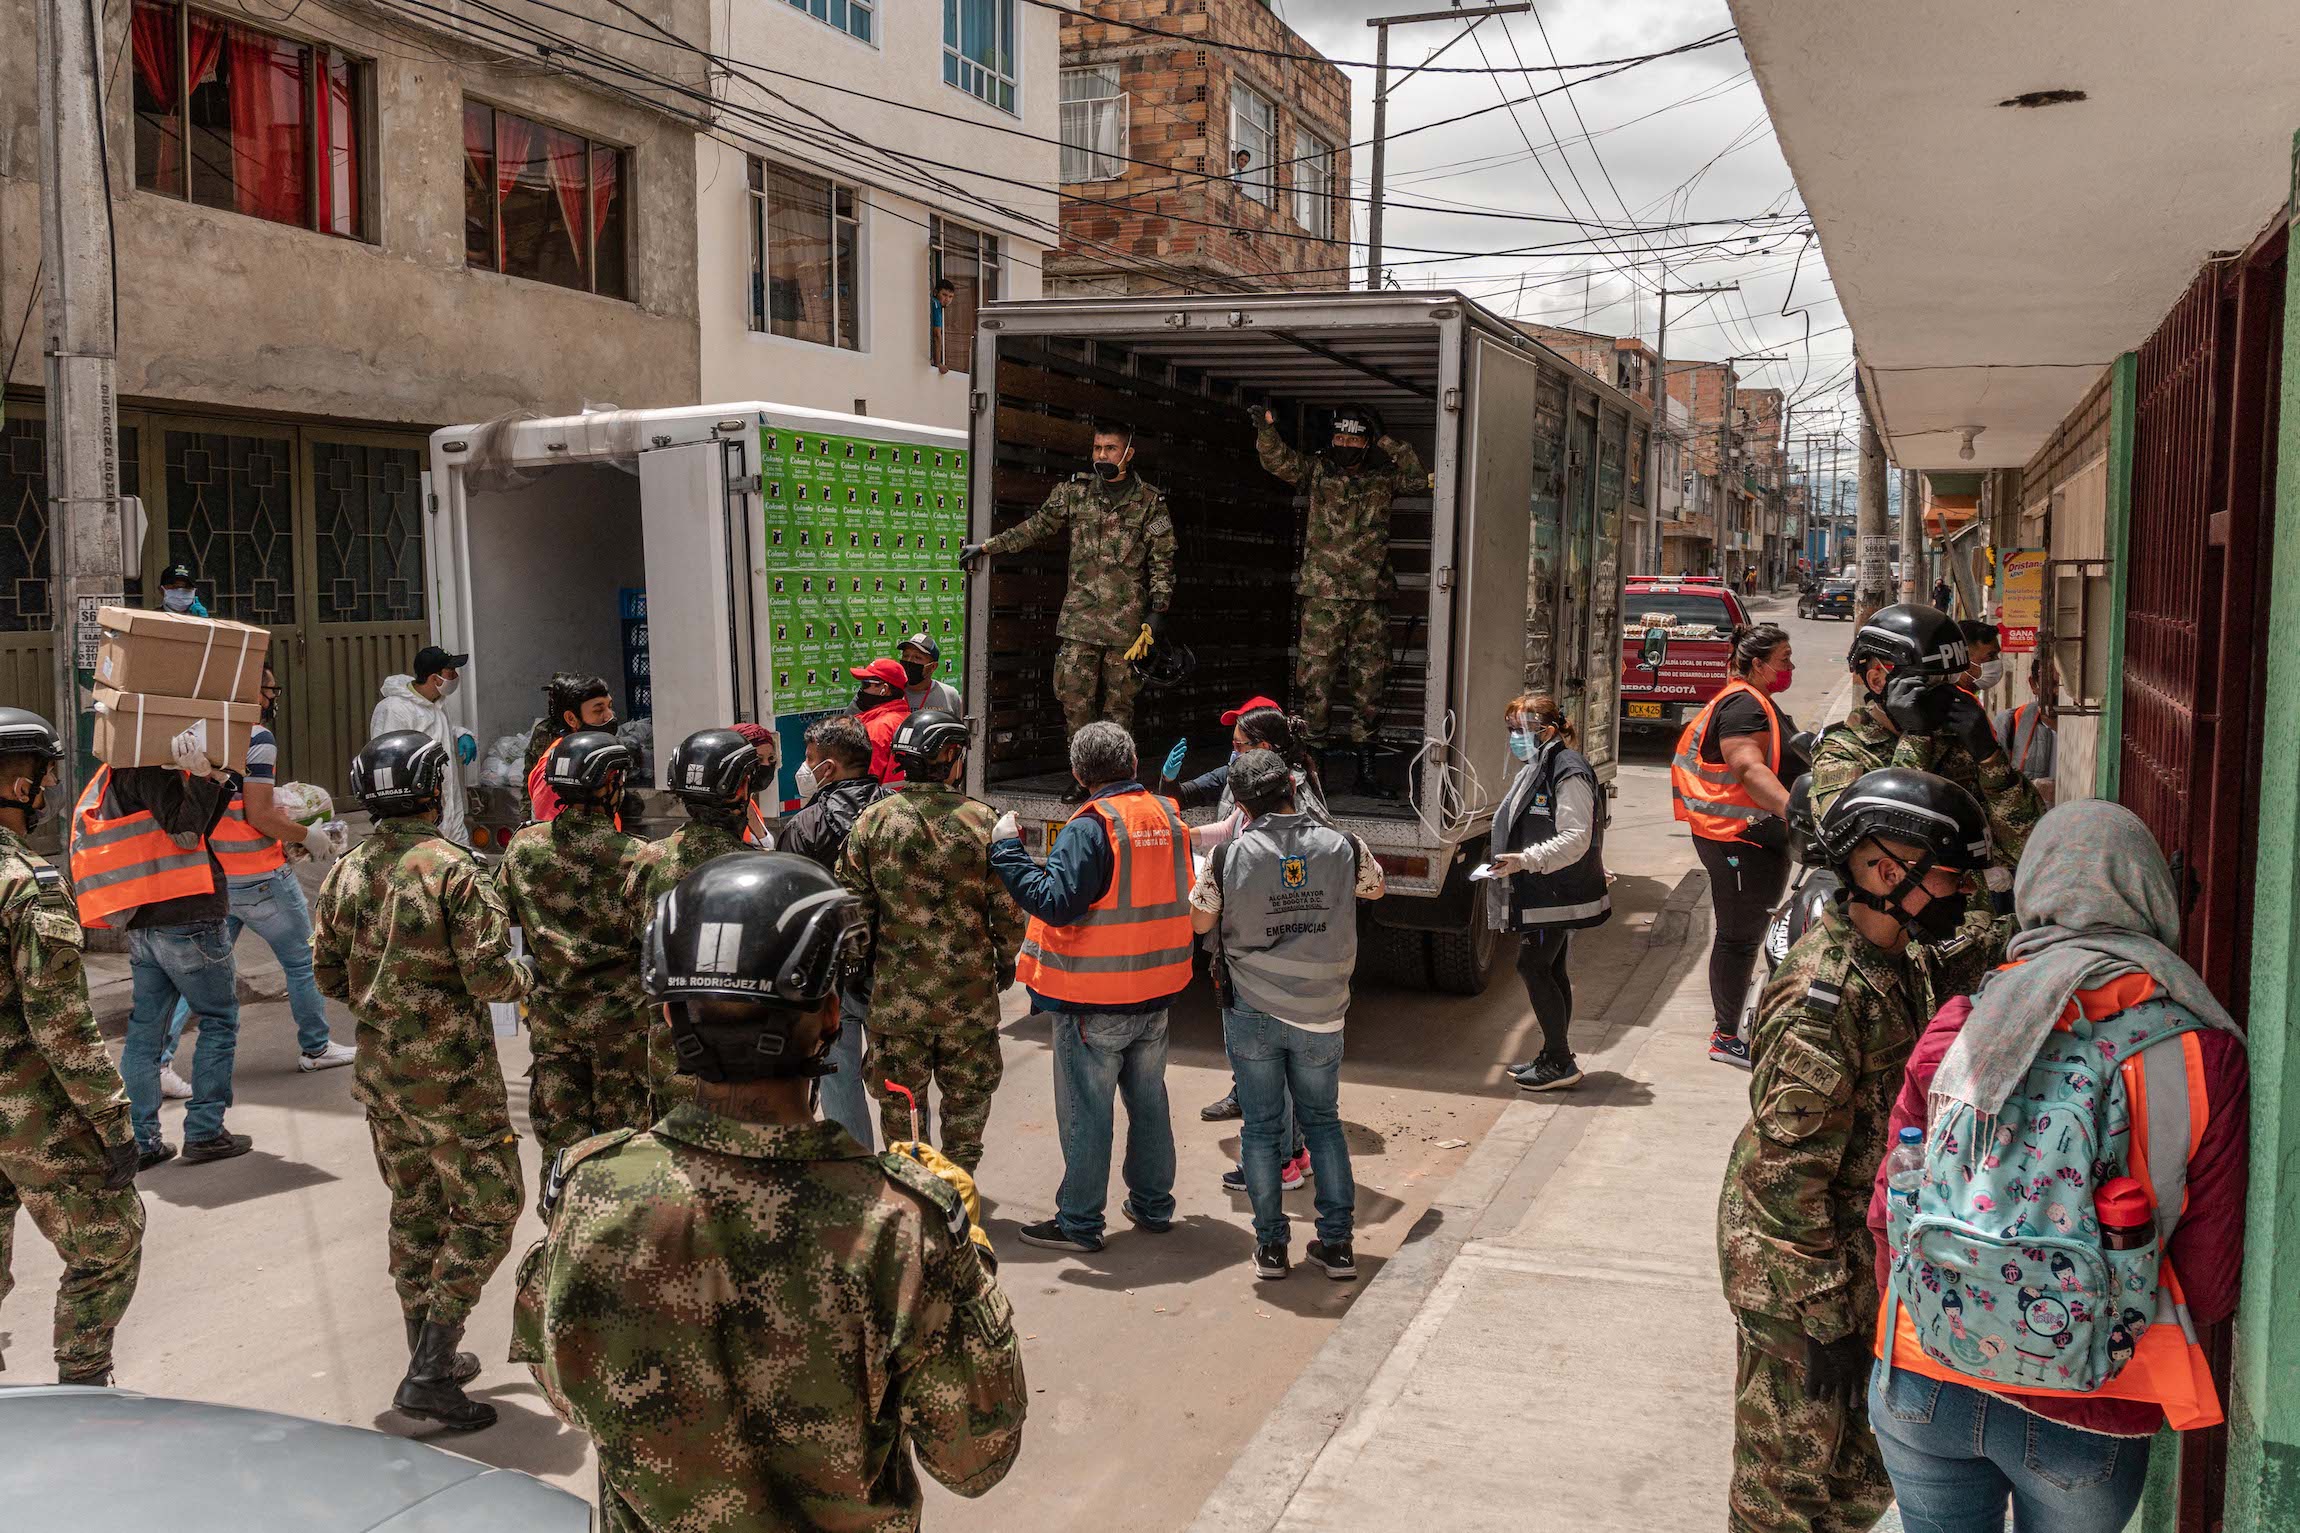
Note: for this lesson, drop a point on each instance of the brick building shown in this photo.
(1152, 129)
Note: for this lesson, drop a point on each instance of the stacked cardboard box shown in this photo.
(159, 674)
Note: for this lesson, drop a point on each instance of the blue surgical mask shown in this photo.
(1234, 755)
(1523, 743)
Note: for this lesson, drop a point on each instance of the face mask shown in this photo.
(805, 780)
(866, 700)
(271, 713)
(1523, 743)
(913, 672)
(448, 685)
(179, 598)
(1992, 672)
(1781, 679)
(1349, 457)
(1941, 917)
(1106, 472)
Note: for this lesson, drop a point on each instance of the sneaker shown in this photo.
(1550, 1075)
(1050, 1234)
(334, 1057)
(220, 1147)
(1234, 1179)
(1271, 1262)
(1340, 1262)
(1148, 1226)
(1295, 1172)
(174, 1087)
(154, 1155)
(1222, 1111)
(1728, 1049)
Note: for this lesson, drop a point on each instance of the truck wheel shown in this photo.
(1394, 956)
(1461, 962)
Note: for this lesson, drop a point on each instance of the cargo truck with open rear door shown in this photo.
(715, 564)
(1508, 565)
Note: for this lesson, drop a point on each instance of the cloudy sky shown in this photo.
(1679, 140)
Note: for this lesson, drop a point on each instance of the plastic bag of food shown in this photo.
(303, 802)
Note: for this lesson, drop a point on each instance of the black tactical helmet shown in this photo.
(587, 767)
(1169, 662)
(925, 735)
(25, 733)
(399, 773)
(1356, 419)
(1910, 636)
(713, 769)
(740, 951)
(1916, 808)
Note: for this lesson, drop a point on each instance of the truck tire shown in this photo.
(1461, 962)
(1394, 956)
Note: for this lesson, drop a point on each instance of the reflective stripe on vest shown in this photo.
(1708, 796)
(118, 864)
(2168, 1369)
(241, 849)
(1133, 944)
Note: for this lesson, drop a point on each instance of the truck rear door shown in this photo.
(698, 505)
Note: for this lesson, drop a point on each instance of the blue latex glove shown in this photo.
(1174, 757)
(466, 748)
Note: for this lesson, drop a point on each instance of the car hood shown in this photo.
(100, 1460)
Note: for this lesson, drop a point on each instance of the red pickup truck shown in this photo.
(1694, 617)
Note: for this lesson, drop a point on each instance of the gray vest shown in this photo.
(1290, 918)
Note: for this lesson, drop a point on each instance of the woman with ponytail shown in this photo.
(1549, 866)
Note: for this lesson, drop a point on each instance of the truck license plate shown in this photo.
(1645, 711)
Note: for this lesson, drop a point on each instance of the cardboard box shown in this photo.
(139, 728)
(187, 657)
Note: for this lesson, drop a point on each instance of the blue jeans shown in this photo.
(274, 905)
(845, 1099)
(1270, 1060)
(1099, 1056)
(1956, 1454)
(192, 964)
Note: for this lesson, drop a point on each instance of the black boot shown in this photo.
(430, 1390)
(466, 1363)
(1369, 780)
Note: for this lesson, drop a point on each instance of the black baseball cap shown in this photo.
(924, 643)
(178, 574)
(431, 660)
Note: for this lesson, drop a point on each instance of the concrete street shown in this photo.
(1155, 1363)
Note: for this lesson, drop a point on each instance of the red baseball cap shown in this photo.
(1246, 707)
(886, 670)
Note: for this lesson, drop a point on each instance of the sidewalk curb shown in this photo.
(1502, 1175)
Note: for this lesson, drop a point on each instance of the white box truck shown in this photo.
(1509, 568)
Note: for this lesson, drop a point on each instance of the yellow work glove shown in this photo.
(1142, 642)
(950, 1171)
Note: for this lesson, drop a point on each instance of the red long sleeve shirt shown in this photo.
(2207, 1246)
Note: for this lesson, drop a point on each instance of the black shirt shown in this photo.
(184, 806)
(1742, 714)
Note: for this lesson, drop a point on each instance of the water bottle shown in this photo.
(1905, 1170)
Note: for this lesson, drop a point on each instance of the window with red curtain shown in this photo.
(234, 117)
(542, 202)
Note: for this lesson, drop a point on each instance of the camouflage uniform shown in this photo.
(61, 1103)
(1121, 539)
(1834, 1029)
(410, 932)
(1347, 582)
(942, 938)
(1861, 745)
(655, 872)
(753, 1321)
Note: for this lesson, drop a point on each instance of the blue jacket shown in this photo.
(1077, 873)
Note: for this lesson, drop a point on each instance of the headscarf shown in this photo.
(2095, 900)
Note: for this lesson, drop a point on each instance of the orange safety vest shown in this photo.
(241, 849)
(2168, 1367)
(1133, 945)
(1707, 796)
(118, 864)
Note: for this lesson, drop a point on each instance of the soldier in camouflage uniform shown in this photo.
(410, 932)
(715, 774)
(757, 1321)
(566, 883)
(1908, 661)
(940, 938)
(1121, 576)
(1347, 581)
(67, 1150)
(1835, 1028)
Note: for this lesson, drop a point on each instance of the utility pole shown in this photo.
(83, 427)
(1912, 540)
(1661, 411)
(1875, 589)
(1381, 26)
